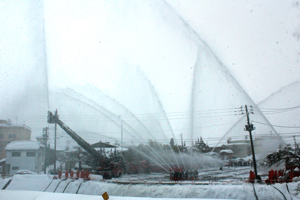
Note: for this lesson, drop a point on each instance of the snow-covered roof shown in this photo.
(238, 143)
(247, 158)
(82, 166)
(23, 145)
(212, 153)
(15, 126)
(226, 151)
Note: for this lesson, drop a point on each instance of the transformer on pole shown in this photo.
(249, 127)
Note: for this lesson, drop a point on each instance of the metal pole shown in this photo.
(250, 128)
(121, 135)
(55, 149)
(181, 141)
(45, 137)
(295, 144)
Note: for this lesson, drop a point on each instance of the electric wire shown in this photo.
(276, 125)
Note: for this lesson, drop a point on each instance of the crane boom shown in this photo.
(52, 119)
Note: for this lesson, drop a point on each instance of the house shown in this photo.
(9, 133)
(29, 155)
(241, 148)
(226, 154)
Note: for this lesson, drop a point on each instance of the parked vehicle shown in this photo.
(114, 170)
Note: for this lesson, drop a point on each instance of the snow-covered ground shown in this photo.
(149, 186)
(25, 195)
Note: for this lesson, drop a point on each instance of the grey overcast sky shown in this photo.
(117, 47)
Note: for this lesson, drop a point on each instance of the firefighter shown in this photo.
(180, 174)
(77, 174)
(87, 175)
(196, 175)
(176, 175)
(71, 173)
(290, 177)
(66, 174)
(275, 176)
(59, 173)
(251, 177)
(187, 175)
(271, 176)
(82, 174)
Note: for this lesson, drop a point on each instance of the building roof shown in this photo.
(23, 145)
(102, 145)
(236, 144)
(15, 126)
(226, 151)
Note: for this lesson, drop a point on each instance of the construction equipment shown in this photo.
(111, 169)
(53, 119)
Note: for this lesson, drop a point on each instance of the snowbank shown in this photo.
(97, 188)
(23, 145)
(30, 182)
(26, 195)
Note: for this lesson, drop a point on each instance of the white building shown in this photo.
(21, 155)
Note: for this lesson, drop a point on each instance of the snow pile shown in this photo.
(46, 196)
(23, 145)
(45, 183)
(30, 182)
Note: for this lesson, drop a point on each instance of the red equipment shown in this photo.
(136, 167)
(113, 170)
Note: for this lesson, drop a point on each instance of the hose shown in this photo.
(280, 192)
(255, 192)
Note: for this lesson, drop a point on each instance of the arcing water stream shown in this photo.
(207, 93)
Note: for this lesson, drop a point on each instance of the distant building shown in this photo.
(263, 143)
(24, 155)
(241, 148)
(9, 133)
(226, 154)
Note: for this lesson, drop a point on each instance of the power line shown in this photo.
(276, 125)
(289, 108)
(269, 111)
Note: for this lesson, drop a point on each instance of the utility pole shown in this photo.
(55, 144)
(121, 135)
(79, 158)
(181, 140)
(249, 127)
(295, 144)
(45, 139)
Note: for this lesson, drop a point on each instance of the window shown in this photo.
(12, 136)
(16, 154)
(30, 154)
(1, 135)
(14, 168)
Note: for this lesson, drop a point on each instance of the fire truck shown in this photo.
(114, 169)
(137, 167)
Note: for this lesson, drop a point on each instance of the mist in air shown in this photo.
(144, 67)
